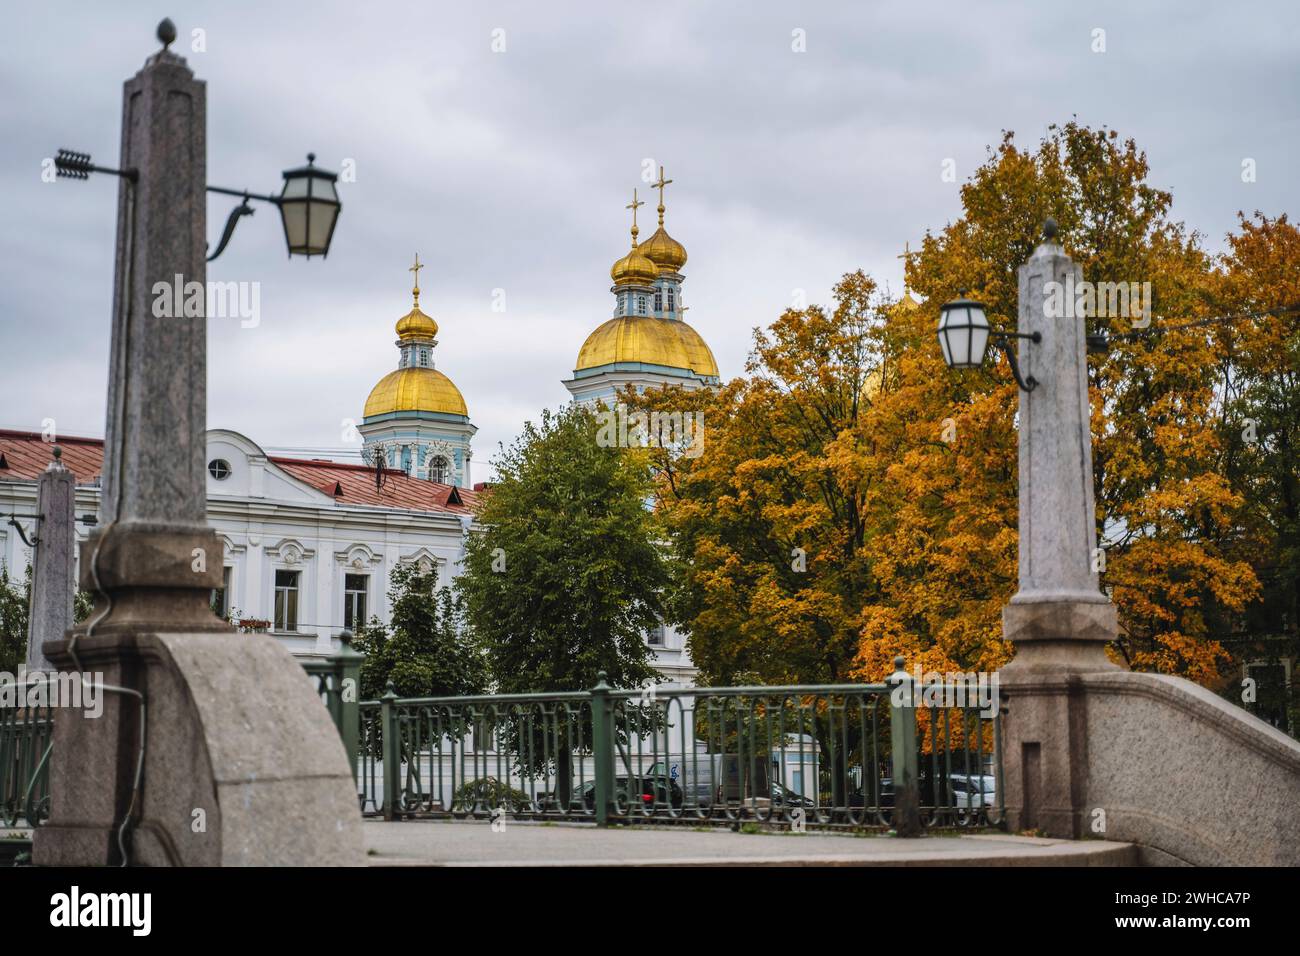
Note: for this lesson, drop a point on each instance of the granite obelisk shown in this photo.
(53, 587)
(212, 748)
(1059, 620)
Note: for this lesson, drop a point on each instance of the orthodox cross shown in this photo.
(660, 186)
(634, 205)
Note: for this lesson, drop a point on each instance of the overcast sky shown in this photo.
(510, 170)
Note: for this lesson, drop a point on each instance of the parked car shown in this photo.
(968, 791)
(655, 792)
(784, 797)
(973, 791)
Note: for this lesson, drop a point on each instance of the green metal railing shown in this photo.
(25, 735)
(826, 756)
(338, 681)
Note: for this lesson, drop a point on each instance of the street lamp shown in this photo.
(308, 202)
(964, 336)
(309, 206)
(963, 333)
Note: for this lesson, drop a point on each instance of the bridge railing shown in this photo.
(830, 756)
(25, 735)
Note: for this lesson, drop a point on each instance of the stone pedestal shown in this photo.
(242, 766)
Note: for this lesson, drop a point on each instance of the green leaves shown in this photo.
(566, 577)
(427, 651)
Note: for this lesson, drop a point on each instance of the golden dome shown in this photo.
(415, 390)
(415, 324)
(664, 251)
(633, 269)
(650, 341)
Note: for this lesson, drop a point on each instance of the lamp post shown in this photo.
(1059, 621)
(183, 727)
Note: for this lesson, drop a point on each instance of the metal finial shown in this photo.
(58, 453)
(1049, 229)
(899, 662)
(311, 158)
(167, 32)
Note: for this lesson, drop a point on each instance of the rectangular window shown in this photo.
(672, 300)
(286, 600)
(640, 305)
(656, 636)
(659, 301)
(355, 588)
(221, 595)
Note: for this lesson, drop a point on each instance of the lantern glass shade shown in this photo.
(963, 333)
(309, 207)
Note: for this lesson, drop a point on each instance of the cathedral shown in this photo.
(309, 544)
(416, 420)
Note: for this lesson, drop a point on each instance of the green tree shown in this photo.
(567, 574)
(427, 651)
(15, 601)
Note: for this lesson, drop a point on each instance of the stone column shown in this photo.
(241, 764)
(1059, 617)
(1059, 621)
(52, 582)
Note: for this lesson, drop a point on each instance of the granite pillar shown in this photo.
(1059, 621)
(50, 614)
(241, 763)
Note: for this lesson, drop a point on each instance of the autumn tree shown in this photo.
(769, 576)
(1258, 281)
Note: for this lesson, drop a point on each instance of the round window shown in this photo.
(219, 469)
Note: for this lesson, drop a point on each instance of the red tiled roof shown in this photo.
(399, 490)
(27, 456)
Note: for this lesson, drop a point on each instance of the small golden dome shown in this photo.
(664, 251)
(415, 390)
(650, 341)
(415, 324)
(633, 269)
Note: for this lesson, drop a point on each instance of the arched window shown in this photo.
(406, 459)
(440, 470)
(659, 300)
(640, 305)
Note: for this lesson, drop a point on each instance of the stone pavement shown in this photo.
(474, 843)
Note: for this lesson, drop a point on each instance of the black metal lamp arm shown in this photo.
(243, 209)
(1003, 341)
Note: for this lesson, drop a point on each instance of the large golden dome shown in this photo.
(415, 390)
(650, 341)
(664, 251)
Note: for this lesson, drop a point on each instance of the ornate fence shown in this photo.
(25, 735)
(834, 756)
(798, 756)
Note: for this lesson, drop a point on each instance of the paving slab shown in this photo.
(475, 843)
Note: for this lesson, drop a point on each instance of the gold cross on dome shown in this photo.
(660, 186)
(634, 205)
(416, 269)
(906, 257)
